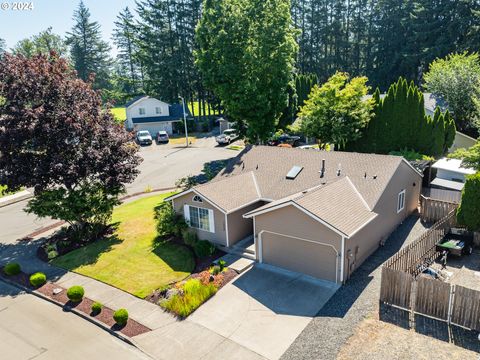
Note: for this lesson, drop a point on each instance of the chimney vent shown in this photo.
(374, 177)
(365, 176)
(322, 171)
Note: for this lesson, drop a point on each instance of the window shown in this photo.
(197, 198)
(141, 111)
(199, 218)
(401, 201)
(158, 110)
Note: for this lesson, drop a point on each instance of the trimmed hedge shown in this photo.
(204, 248)
(38, 279)
(12, 269)
(120, 316)
(75, 293)
(97, 307)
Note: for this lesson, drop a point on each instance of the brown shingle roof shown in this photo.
(271, 165)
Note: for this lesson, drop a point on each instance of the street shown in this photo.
(32, 328)
(163, 165)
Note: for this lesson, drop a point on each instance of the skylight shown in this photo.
(294, 171)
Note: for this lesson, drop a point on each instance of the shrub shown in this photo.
(75, 293)
(222, 264)
(168, 222)
(97, 307)
(216, 270)
(12, 269)
(194, 294)
(204, 248)
(189, 238)
(38, 279)
(120, 316)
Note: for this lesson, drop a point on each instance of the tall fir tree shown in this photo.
(89, 52)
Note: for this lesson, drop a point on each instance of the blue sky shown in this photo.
(17, 25)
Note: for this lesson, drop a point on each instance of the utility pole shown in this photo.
(184, 119)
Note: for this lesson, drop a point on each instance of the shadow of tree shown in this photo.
(177, 257)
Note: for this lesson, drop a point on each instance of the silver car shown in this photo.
(227, 137)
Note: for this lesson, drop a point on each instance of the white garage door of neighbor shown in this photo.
(300, 255)
(156, 127)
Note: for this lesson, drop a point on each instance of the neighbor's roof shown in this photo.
(447, 184)
(430, 101)
(454, 165)
(175, 114)
(271, 164)
(134, 100)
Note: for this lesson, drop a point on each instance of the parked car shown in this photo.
(285, 139)
(144, 137)
(227, 137)
(162, 137)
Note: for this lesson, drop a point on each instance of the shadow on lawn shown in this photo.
(177, 257)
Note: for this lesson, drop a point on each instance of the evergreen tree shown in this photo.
(89, 53)
(400, 123)
(468, 212)
(124, 37)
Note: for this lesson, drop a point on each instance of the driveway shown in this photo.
(257, 316)
(31, 328)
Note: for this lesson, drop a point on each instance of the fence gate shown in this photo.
(432, 298)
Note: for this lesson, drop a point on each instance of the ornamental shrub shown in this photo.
(203, 248)
(38, 279)
(12, 269)
(222, 264)
(75, 293)
(120, 316)
(96, 307)
(189, 238)
(168, 222)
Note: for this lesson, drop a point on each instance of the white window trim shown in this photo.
(211, 218)
(398, 201)
(158, 110)
(141, 111)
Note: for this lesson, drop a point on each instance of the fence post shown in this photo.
(413, 299)
(450, 304)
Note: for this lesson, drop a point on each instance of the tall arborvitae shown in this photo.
(400, 123)
(124, 37)
(89, 53)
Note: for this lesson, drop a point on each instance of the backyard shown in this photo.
(132, 259)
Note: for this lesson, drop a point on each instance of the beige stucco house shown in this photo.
(314, 212)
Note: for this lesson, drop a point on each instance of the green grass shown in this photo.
(119, 113)
(3, 190)
(195, 109)
(133, 259)
(235, 147)
(194, 295)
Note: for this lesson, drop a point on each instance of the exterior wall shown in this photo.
(239, 227)
(462, 141)
(304, 246)
(219, 236)
(154, 128)
(367, 240)
(149, 105)
(450, 175)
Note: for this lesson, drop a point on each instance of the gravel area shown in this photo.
(464, 270)
(358, 298)
(378, 340)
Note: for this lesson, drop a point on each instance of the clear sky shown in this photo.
(19, 24)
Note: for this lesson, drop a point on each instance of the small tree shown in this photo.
(470, 157)
(169, 222)
(456, 80)
(56, 137)
(468, 212)
(336, 111)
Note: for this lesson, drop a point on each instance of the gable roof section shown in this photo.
(135, 100)
(337, 204)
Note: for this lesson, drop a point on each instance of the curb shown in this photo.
(118, 335)
(15, 198)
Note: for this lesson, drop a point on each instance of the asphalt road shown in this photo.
(32, 328)
(163, 165)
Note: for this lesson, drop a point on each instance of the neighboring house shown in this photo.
(450, 174)
(146, 113)
(315, 212)
(462, 141)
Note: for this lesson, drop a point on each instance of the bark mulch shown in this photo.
(131, 329)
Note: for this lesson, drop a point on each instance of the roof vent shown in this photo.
(294, 171)
(322, 171)
(374, 177)
(339, 169)
(365, 176)
(257, 167)
(243, 166)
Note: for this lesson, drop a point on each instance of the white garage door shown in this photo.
(154, 128)
(300, 255)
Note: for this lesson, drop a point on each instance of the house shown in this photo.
(315, 212)
(147, 113)
(451, 175)
(462, 141)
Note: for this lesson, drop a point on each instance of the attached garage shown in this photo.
(300, 255)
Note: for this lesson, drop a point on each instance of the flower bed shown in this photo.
(59, 295)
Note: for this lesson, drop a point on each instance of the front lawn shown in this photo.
(119, 113)
(132, 260)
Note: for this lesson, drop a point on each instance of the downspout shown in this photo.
(226, 230)
(342, 262)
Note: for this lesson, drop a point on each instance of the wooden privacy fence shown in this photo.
(442, 195)
(453, 304)
(413, 256)
(434, 210)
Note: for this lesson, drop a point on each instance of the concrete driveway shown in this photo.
(257, 316)
(32, 328)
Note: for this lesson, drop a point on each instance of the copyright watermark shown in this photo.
(16, 6)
